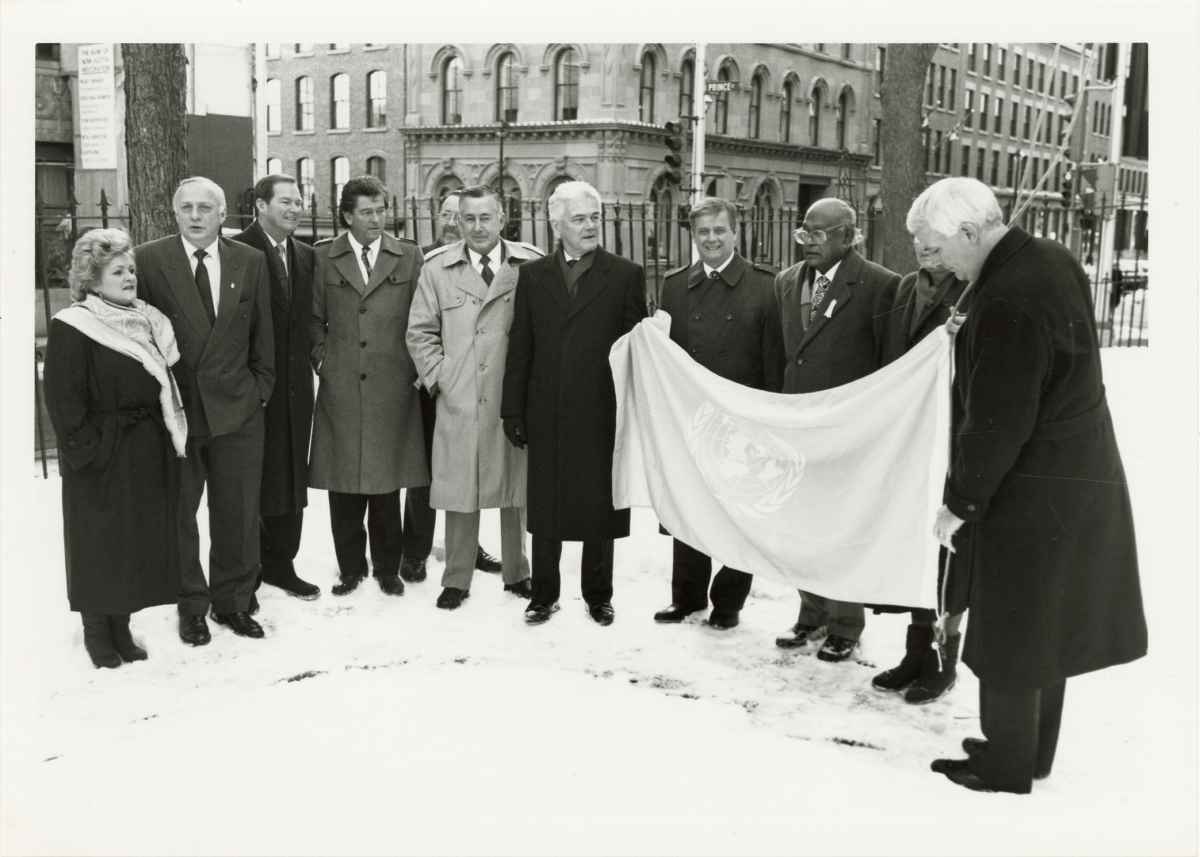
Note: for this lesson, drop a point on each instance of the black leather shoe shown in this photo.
(412, 570)
(253, 608)
(347, 585)
(722, 620)
(522, 588)
(123, 640)
(193, 630)
(602, 613)
(837, 648)
(801, 636)
(536, 614)
(674, 613)
(484, 561)
(452, 598)
(391, 584)
(959, 772)
(240, 623)
(293, 586)
(976, 747)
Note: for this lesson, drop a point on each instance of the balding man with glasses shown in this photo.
(834, 306)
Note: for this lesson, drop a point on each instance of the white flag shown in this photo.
(833, 492)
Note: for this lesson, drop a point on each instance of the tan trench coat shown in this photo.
(458, 338)
(367, 435)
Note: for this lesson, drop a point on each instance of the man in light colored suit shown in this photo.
(458, 338)
(218, 296)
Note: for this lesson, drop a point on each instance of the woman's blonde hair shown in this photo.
(93, 252)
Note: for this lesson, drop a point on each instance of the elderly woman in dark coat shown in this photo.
(121, 432)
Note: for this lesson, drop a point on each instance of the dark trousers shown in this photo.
(231, 467)
(690, 572)
(1021, 728)
(350, 539)
(419, 517)
(279, 542)
(595, 570)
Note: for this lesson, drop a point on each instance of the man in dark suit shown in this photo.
(571, 306)
(217, 294)
(835, 306)
(289, 411)
(1035, 468)
(724, 314)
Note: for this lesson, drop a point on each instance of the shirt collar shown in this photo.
(190, 248)
(830, 274)
(495, 255)
(358, 248)
(719, 269)
(571, 258)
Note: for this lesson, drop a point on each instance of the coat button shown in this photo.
(729, 317)
(482, 367)
(361, 310)
(362, 344)
(363, 376)
(970, 507)
(696, 317)
(694, 349)
(799, 361)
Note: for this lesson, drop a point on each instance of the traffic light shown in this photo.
(674, 157)
(1068, 187)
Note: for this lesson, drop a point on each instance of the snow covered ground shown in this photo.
(375, 725)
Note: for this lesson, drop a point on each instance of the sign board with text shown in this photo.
(97, 101)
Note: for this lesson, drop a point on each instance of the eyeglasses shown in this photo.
(815, 236)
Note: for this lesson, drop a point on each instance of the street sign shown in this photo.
(720, 86)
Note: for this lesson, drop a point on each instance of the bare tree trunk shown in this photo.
(155, 134)
(901, 149)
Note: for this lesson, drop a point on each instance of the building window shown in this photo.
(1075, 84)
(506, 88)
(968, 108)
(877, 160)
(971, 52)
(820, 48)
(756, 88)
(1029, 73)
(946, 155)
(983, 112)
(953, 88)
(964, 166)
(304, 104)
(340, 172)
(880, 65)
(1012, 169)
(980, 163)
(1012, 122)
(377, 166)
(1041, 77)
(941, 87)
(452, 91)
(566, 85)
(785, 111)
(273, 99)
(998, 122)
(930, 81)
(845, 102)
(987, 59)
(1028, 122)
(304, 173)
(937, 151)
(846, 49)
(274, 166)
(272, 50)
(1001, 62)
(926, 137)
(1016, 80)
(302, 47)
(377, 99)
(646, 89)
(1062, 83)
(338, 46)
(339, 101)
(814, 115)
(687, 83)
(721, 104)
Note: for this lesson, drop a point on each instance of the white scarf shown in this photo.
(142, 332)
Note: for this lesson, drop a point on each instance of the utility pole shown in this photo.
(1108, 243)
(699, 106)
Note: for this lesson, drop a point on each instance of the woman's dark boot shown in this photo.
(123, 640)
(97, 639)
(916, 647)
(936, 677)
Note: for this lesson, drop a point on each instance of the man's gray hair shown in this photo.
(206, 183)
(946, 205)
(711, 206)
(568, 191)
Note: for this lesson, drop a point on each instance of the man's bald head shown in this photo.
(828, 232)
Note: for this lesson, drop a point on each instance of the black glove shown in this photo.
(514, 430)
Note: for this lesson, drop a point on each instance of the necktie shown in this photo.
(485, 271)
(819, 290)
(366, 257)
(714, 274)
(204, 286)
(572, 281)
(287, 284)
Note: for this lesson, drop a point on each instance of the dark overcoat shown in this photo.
(735, 331)
(289, 411)
(557, 378)
(845, 340)
(1054, 585)
(120, 477)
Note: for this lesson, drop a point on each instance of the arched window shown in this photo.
(377, 99)
(304, 174)
(506, 89)
(566, 84)
(756, 88)
(763, 223)
(339, 101)
(658, 242)
(274, 166)
(814, 114)
(304, 104)
(646, 91)
(340, 173)
(512, 207)
(687, 84)
(377, 166)
(452, 91)
(845, 101)
(785, 111)
(272, 98)
(721, 104)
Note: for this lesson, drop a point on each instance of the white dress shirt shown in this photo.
(708, 271)
(212, 263)
(494, 259)
(372, 254)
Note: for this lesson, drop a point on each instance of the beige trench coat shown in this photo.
(367, 434)
(458, 338)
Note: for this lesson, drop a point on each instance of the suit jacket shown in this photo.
(367, 433)
(737, 332)
(906, 325)
(290, 409)
(557, 378)
(845, 341)
(227, 369)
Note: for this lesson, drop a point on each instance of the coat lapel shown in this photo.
(464, 277)
(182, 283)
(591, 283)
(841, 291)
(552, 279)
(506, 276)
(345, 264)
(232, 287)
(390, 254)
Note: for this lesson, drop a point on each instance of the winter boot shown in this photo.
(97, 639)
(123, 640)
(916, 647)
(935, 679)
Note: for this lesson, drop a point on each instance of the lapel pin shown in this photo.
(829, 309)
